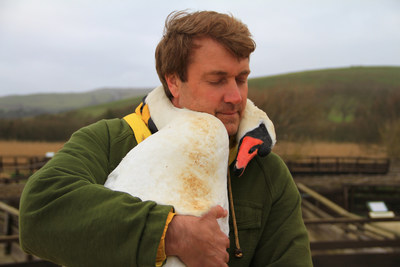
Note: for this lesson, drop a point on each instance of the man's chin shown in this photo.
(231, 129)
(231, 123)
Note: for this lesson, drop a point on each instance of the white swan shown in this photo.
(185, 163)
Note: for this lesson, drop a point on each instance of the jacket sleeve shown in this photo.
(284, 240)
(67, 216)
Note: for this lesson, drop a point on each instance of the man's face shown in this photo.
(216, 84)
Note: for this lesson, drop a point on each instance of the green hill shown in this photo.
(15, 106)
(353, 77)
(119, 108)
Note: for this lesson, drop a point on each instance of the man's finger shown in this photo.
(216, 212)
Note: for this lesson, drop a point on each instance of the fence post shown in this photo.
(346, 197)
(7, 229)
(16, 166)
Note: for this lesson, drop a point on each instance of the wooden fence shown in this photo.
(16, 168)
(338, 165)
(341, 238)
(9, 236)
(21, 167)
(9, 226)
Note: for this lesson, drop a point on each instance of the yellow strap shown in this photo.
(143, 111)
(138, 126)
(161, 256)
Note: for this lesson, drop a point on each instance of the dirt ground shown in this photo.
(18, 148)
(322, 149)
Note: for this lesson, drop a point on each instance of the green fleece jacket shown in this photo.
(68, 217)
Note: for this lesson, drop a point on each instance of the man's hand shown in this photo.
(198, 241)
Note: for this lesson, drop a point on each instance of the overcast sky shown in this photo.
(81, 45)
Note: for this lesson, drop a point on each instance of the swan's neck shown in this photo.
(161, 108)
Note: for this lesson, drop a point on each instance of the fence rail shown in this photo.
(338, 165)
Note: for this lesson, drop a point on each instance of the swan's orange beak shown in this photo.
(247, 150)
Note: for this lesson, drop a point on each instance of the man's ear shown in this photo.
(174, 84)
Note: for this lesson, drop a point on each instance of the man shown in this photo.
(69, 217)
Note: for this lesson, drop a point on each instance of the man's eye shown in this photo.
(218, 82)
(241, 81)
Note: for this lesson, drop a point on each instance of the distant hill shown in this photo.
(356, 104)
(16, 106)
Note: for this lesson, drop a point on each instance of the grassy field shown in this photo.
(16, 148)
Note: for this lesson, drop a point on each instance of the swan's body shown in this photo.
(184, 164)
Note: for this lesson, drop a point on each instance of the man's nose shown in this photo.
(232, 93)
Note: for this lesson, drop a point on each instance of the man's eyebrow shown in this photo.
(224, 73)
(216, 73)
(244, 72)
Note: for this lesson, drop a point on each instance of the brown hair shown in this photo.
(181, 28)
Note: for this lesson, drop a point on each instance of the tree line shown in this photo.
(298, 115)
(53, 127)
